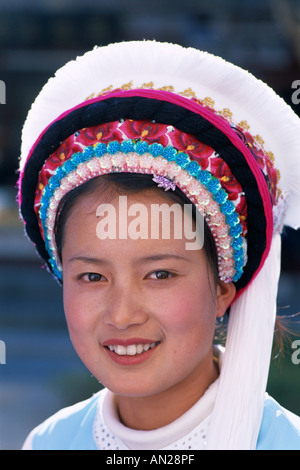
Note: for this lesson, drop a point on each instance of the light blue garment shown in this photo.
(69, 429)
(72, 428)
(280, 429)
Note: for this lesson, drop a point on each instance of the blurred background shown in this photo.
(42, 372)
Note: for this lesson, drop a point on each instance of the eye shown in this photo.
(92, 277)
(160, 275)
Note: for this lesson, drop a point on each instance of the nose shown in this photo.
(125, 308)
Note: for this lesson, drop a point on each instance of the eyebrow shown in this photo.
(144, 259)
(160, 257)
(87, 259)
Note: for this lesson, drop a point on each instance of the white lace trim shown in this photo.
(106, 439)
(188, 432)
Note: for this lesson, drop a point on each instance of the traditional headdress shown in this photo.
(194, 121)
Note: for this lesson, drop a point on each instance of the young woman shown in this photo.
(120, 142)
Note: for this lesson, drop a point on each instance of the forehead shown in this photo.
(140, 221)
(88, 205)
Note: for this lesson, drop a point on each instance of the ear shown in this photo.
(225, 295)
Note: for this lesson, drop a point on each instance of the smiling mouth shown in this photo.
(132, 349)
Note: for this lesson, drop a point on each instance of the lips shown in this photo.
(132, 351)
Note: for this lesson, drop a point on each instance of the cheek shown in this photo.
(82, 325)
(192, 313)
(80, 315)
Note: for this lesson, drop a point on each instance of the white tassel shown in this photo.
(238, 410)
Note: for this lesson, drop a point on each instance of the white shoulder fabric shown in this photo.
(238, 410)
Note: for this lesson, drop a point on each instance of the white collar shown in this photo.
(166, 435)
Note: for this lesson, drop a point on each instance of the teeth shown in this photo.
(121, 350)
(130, 350)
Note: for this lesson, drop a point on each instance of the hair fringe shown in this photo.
(286, 328)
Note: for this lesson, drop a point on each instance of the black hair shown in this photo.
(127, 183)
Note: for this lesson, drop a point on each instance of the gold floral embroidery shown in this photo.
(226, 113)
(244, 125)
(270, 156)
(90, 97)
(127, 86)
(207, 101)
(105, 90)
(259, 140)
(188, 93)
(147, 85)
(167, 88)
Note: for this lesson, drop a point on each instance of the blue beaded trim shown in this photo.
(210, 182)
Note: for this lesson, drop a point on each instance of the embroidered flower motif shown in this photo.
(272, 181)
(256, 150)
(241, 209)
(151, 131)
(56, 159)
(103, 132)
(195, 149)
(264, 162)
(221, 170)
(63, 153)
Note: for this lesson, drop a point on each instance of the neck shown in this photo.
(155, 411)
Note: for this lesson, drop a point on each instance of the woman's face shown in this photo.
(141, 312)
